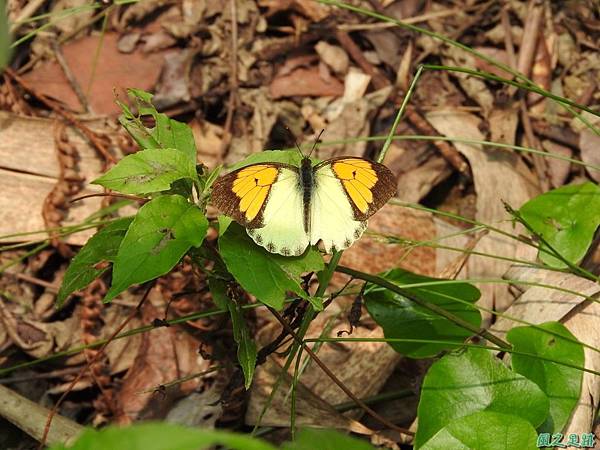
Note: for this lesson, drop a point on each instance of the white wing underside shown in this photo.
(331, 216)
(283, 232)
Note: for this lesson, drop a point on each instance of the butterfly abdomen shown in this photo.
(307, 184)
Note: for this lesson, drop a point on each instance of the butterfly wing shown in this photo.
(267, 200)
(347, 192)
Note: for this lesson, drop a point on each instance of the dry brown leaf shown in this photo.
(589, 145)
(372, 255)
(417, 183)
(334, 56)
(495, 180)
(111, 70)
(311, 409)
(347, 120)
(305, 82)
(314, 11)
(540, 304)
(30, 171)
(558, 168)
(165, 355)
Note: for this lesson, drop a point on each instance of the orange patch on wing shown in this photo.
(358, 177)
(252, 188)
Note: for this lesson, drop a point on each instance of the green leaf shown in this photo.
(5, 40)
(167, 132)
(162, 232)
(173, 134)
(291, 157)
(162, 436)
(101, 247)
(246, 347)
(484, 430)
(401, 318)
(313, 439)
(561, 384)
(460, 385)
(224, 222)
(265, 275)
(148, 171)
(567, 219)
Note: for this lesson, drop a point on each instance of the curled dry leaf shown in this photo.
(495, 179)
(582, 317)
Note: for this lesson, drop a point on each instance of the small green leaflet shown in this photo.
(562, 384)
(314, 438)
(162, 232)
(401, 318)
(267, 276)
(167, 133)
(567, 219)
(148, 171)
(101, 247)
(246, 346)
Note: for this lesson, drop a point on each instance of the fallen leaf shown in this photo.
(558, 168)
(334, 56)
(109, 71)
(589, 145)
(495, 180)
(305, 82)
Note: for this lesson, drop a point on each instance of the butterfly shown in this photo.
(285, 208)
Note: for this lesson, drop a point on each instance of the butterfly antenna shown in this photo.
(295, 141)
(317, 141)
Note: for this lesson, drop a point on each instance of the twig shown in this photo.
(88, 366)
(70, 77)
(96, 142)
(379, 81)
(524, 64)
(233, 80)
(335, 379)
(451, 155)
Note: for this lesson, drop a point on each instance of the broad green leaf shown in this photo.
(484, 430)
(5, 40)
(162, 232)
(162, 436)
(567, 219)
(265, 275)
(173, 134)
(148, 171)
(561, 384)
(101, 247)
(313, 439)
(459, 385)
(401, 318)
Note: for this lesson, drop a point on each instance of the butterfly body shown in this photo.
(285, 208)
